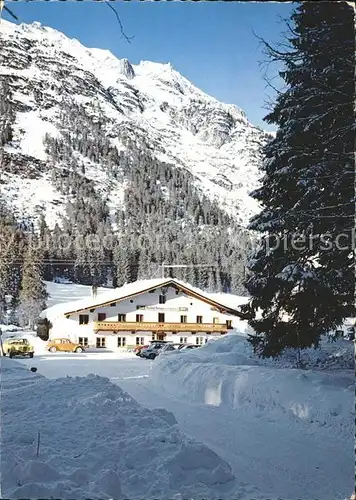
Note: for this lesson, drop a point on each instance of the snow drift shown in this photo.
(225, 372)
(96, 442)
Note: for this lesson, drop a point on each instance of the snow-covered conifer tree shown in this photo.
(301, 277)
(33, 289)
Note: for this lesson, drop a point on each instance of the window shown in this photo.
(140, 341)
(229, 324)
(113, 304)
(139, 318)
(216, 321)
(162, 299)
(199, 319)
(122, 318)
(121, 341)
(199, 340)
(160, 317)
(183, 319)
(140, 307)
(83, 341)
(101, 316)
(183, 340)
(100, 341)
(83, 319)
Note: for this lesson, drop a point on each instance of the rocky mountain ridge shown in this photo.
(68, 108)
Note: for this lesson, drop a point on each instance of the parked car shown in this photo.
(184, 347)
(168, 348)
(151, 352)
(139, 348)
(64, 345)
(18, 347)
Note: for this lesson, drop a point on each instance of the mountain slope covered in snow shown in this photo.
(69, 111)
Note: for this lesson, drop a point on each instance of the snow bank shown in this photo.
(96, 442)
(225, 372)
(330, 356)
(8, 328)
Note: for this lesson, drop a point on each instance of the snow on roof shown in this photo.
(228, 299)
(137, 287)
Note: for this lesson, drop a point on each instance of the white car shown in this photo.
(168, 348)
(188, 347)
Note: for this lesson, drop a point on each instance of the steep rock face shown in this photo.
(122, 106)
(127, 69)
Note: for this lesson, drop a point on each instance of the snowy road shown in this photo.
(280, 457)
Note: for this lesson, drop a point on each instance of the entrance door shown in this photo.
(161, 336)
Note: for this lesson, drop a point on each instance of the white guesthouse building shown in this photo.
(158, 309)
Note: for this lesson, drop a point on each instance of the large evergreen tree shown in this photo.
(11, 243)
(33, 290)
(301, 277)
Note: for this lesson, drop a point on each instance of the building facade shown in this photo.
(140, 312)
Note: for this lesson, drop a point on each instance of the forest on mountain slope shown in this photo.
(163, 216)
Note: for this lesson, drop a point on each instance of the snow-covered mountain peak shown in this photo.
(155, 68)
(148, 103)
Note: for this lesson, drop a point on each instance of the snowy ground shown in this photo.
(280, 452)
(289, 432)
(96, 441)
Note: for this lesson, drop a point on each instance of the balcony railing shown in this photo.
(116, 326)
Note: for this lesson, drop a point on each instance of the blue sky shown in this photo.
(212, 44)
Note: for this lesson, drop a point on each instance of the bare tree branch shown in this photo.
(127, 38)
(10, 12)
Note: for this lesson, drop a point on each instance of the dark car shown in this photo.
(153, 350)
(140, 349)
